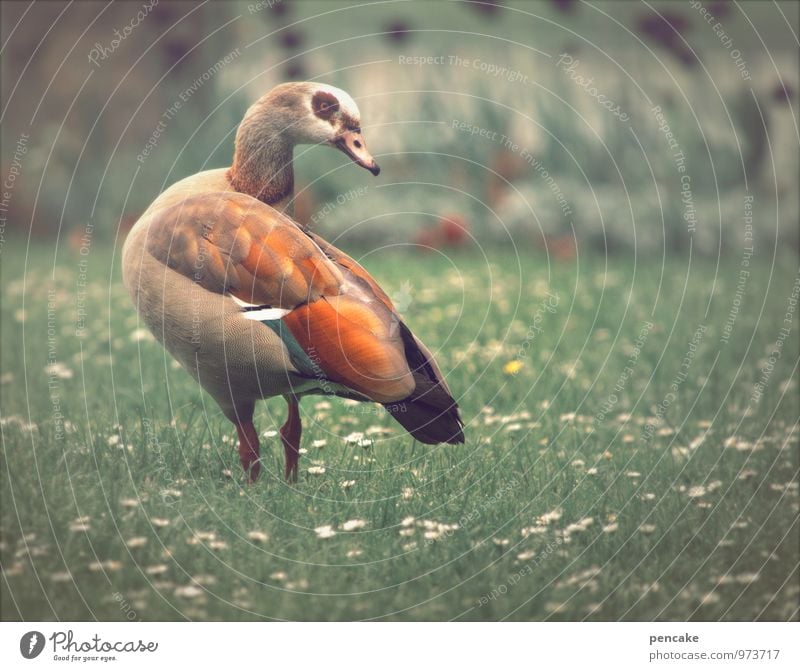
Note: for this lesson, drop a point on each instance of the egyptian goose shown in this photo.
(254, 306)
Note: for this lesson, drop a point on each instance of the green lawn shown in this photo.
(599, 480)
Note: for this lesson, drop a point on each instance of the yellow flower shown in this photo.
(513, 367)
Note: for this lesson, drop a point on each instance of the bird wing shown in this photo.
(230, 243)
(356, 269)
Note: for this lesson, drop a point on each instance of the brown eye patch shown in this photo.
(324, 104)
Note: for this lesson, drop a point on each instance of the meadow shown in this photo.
(631, 453)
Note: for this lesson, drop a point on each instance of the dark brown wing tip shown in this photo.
(428, 424)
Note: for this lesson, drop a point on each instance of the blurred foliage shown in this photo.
(88, 121)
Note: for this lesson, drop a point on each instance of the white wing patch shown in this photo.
(261, 314)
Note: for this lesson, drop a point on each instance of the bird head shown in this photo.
(308, 113)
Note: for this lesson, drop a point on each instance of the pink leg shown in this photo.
(249, 449)
(290, 435)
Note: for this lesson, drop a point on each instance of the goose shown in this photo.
(254, 306)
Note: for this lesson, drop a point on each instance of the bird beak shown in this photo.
(351, 142)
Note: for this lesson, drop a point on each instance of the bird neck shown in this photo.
(263, 169)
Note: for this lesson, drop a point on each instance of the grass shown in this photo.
(584, 490)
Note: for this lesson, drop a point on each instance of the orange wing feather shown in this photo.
(341, 259)
(232, 243)
(354, 346)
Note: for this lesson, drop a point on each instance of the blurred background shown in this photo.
(528, 123)
(569, 200)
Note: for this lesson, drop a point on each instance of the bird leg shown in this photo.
(249, 449)
(290, 435)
